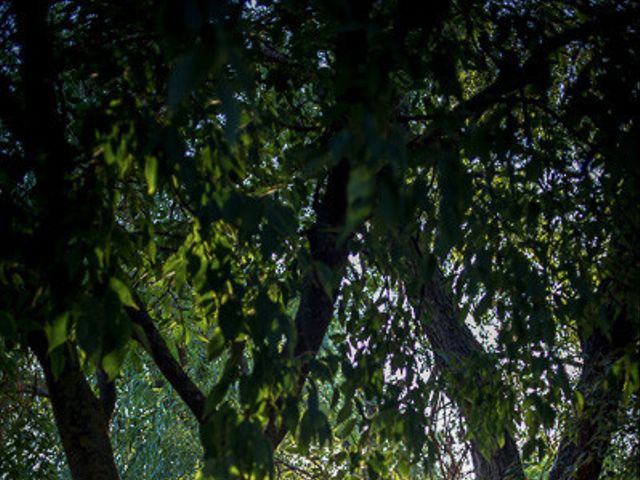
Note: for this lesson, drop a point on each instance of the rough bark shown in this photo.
(586, 439)
(40, 124)
(79, 416)
(107, 389)
(587, 436)
(154, 343)
(452, 343)
(316, 304)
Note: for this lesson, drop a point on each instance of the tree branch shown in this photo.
(316, 305)
(155, 345)
(513, 78)
(452, 343)
(107, 389)
(78, 414)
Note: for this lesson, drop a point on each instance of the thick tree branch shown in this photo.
(316, 304)
(107, 389)
(326, 247)
(513, 78)
(78, 415)
(586, 437)
(154, 343)
(453, 343)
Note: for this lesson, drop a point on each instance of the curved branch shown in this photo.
(78, 414)
(155, 345)
(513, 77)
(452, 343)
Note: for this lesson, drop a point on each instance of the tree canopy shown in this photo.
(359, 240)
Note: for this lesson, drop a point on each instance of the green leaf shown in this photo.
(216, 344)
(151, 174)
(57, 331)
(57, 362)
(283, 219)
(314, 425)
(305, 434)
(390, 203)
(579, 401)
(346, 429)
(112, 362)
(230, 319)
(219, 390)
(265, 318)
(325, 277)
(345, 411)
(360, 192)
(123, 292)
(7, 325)
(188, 71)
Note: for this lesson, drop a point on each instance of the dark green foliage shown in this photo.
(386, 239)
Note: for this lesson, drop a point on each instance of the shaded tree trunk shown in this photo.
(108, 395)
(316, 304)
(586, 439)
(79, 416)
(452, 342)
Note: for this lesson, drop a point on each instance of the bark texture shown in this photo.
(326, 248)
(79, 416)
(452, 342)
(586, 439)
(107, 389)
(316, 304)
(168, 365)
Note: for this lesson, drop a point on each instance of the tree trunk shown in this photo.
(586, 439)
(108, 395)
(79, 416)
(326, 248)
(452, 342)
(316, 304)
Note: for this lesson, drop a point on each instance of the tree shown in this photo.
(366, 205)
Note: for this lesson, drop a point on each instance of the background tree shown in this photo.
(389, 230)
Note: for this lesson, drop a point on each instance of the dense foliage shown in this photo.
(319, 239)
